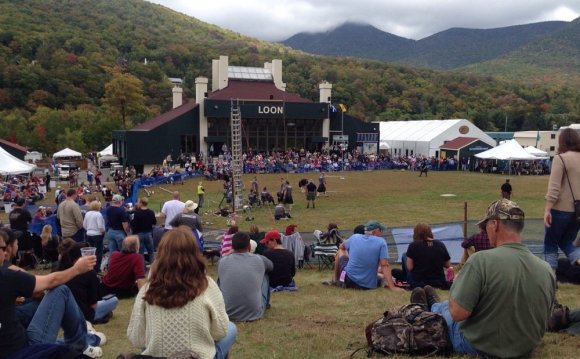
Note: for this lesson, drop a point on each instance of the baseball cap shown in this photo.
(503, 209)
(117, 198)
(270, 236)
(373, 224)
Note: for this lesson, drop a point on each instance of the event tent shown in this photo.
(507, 151)
(67, 152)
(536, 152)
(107, 151)
(10, 165)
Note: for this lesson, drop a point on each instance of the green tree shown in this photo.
(124, 97)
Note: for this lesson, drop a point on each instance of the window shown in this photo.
(552, 148)
(553, 136)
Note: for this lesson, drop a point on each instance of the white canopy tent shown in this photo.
(107, 151)
(507, 151)
(10, 165)
(536, 152)
(67, 152)
(383, 145)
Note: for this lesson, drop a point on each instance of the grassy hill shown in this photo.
(57, 59)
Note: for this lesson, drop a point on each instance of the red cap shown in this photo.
(290, 229)
(272, 235)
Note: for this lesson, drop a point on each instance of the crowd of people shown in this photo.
(499, 303)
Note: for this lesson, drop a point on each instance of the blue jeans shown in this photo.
(58, 309)
(561, 234)
(222, 346)
(146, 242)
(266, 292)
(105, 306)
(97, 242)
(79, 236)
(460, 344)
(115, 238)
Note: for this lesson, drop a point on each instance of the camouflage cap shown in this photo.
(503, 209)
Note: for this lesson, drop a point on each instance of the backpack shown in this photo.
(409, 330)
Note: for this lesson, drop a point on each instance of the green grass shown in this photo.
(327, 322)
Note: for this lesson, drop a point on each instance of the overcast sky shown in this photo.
(276, 20)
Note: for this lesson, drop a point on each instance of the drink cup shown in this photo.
(88, 251)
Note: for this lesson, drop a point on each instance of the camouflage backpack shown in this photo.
(410, 330)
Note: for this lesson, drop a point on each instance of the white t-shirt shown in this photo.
(171, 209)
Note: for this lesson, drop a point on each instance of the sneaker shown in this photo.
(432, 296)
(93, 352)
(102, 337)
(90, 327)
(418, 296)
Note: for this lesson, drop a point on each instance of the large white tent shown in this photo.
(10, 165)
(425, 137)
(507, 151)
(67, 152)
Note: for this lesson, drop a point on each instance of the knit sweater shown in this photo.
(559, 193)
(70, 217)
(195, 326)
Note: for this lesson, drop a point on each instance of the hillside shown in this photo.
(449, 49)
(65, 65)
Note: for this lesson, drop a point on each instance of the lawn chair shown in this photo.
(325, 248)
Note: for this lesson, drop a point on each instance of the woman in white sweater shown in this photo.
(94, 224)
(180, 308)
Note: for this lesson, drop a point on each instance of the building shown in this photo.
(416, 138)
(272, 119)
(14, 149)
(546, 141)
(464, 149)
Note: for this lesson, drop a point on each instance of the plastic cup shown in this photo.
(88, 251)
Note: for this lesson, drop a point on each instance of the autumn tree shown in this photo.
(124, 97)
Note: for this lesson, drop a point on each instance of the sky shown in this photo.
(277, 20)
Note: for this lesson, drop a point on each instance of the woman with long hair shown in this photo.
(425, 259)
(180, 308)
(49, 244)
(563, 188)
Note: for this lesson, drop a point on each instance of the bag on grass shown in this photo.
(409, 330)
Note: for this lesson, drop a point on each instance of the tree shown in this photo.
(124, 97)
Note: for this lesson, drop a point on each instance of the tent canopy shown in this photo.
(107, 151)
(384, 146)
(10, 165)
(536, 152)
(508, 151)
(67, 152)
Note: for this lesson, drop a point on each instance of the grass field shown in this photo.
(327, 322)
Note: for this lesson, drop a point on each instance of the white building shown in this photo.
(408, 138)
(546, 141)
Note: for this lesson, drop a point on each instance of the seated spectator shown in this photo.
(257, 236)
(475, 243)
(425, 259)
(283, 260)
(49, 244)
(126, 271)
(57, 308)
(243, 281)
(280, 212)
(226, 246)
(188, 217)
(157, 322)
(86, 287)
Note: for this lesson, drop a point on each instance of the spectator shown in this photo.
(118, 223)
(171, 209)
(243, 281)
(226, 246)
(126, 271)
(70, 217)
(475, 243)
(283, 260)
(188, 217)
(94, 224)
(142, 226)
(157, 322)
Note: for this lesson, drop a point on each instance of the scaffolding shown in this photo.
(237, 170)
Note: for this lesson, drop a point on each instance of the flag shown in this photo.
(342, 107)
(332, 108)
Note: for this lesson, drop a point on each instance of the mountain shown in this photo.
(449, 49)
(68, 69)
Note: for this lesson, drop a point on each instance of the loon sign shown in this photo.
(263, 110)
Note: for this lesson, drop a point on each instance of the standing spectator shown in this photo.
(561, 221)
(243, 281)
(283, 260)
(171, 209)
(47, 180)
(70, 217)
(506, 189)
(126, 273)
(94, 224)
(118, 223)
(188, 217)
(142, 226)
(192, 317)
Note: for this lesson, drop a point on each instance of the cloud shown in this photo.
(276, 20)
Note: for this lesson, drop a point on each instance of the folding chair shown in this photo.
(324, 249)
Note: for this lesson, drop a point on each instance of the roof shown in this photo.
(423, 130)
(14, 145)
(254, 91)
(165, 117)
(458, 143)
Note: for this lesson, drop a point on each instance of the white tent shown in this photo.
(67, 152)
(107, 151)
(383, 145)
(508, 151)
(536, 152)
(10, 165)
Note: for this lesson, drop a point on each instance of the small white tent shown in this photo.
(536, 152)
(107, 151)
(507, 151)
(67, 152)
(10, 165)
